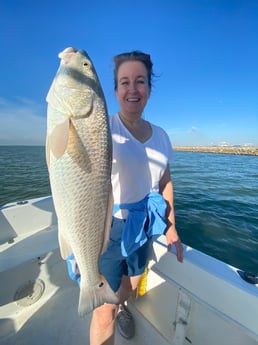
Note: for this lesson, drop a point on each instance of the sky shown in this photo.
(205, 55)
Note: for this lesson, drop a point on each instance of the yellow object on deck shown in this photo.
(142, 287)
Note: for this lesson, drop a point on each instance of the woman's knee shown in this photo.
(105, 315)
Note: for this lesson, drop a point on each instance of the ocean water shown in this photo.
(216, 205)
(23, 173)
(216, 198)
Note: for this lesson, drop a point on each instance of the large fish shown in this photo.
(79, 154)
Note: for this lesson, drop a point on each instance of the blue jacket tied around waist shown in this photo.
(149, 211)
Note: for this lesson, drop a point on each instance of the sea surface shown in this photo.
(216, 198)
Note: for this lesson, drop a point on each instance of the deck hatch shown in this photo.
(29, 293)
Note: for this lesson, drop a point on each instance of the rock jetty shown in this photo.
(236, 150)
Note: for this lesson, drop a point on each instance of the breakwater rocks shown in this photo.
(235, 150)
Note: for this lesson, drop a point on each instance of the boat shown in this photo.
(200, 301)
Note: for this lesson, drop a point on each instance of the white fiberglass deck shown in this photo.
(53, 319)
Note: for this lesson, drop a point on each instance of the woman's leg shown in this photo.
(128, 287)
(102, 328)
(125, 320)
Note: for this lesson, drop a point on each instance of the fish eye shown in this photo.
(86, 63)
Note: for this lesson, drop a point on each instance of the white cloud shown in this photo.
(23, 122)
(194, 129)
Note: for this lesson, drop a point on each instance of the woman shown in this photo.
(140, 174)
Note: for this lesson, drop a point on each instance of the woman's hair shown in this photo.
(135, 55)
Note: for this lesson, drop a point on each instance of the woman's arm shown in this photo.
(166, 189)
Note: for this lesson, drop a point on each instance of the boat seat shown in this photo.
(27, 247)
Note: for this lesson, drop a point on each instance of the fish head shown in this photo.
(76, 67)
(76, 84)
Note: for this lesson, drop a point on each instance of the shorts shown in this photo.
(113, 265)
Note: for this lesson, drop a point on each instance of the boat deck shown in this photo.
(51, 318)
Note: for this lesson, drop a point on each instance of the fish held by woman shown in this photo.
(79, 158)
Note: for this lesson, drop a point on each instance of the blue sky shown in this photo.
(205, 54)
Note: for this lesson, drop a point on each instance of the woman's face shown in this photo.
(132, 87)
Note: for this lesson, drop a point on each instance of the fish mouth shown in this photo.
(73, 50)
(70, 50)
(66, 54)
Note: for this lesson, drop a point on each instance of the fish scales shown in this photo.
(79, 156)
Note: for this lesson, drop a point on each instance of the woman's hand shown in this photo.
(173, 239)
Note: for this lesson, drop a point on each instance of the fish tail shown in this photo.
(94, 296)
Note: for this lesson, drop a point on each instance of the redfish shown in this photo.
(79, 158)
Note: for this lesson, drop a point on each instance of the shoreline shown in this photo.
(235, 150)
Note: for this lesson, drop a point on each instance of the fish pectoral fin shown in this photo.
(47, 151)
(65, 247)
(58, 138)
(95, 296)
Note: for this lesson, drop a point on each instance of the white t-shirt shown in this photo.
(137, 167)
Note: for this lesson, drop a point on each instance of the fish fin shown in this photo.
(108, 219)
(95, 296)
(58, 138)
(65, 248)
(47, 150)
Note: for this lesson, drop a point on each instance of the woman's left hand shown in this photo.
(173, 239)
